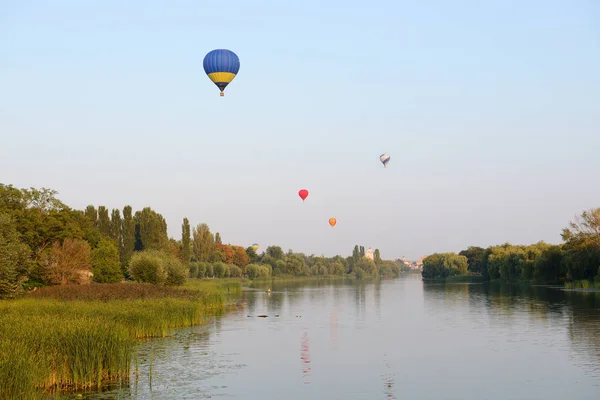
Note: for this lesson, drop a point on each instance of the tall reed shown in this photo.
(50, 344)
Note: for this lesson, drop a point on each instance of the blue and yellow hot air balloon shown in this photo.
(221, 66)
(255, 246)
(384, 158)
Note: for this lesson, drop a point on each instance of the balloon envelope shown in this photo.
(255, 246)
(332, 222)
(384, 158)
(221, 66)
(303, 193)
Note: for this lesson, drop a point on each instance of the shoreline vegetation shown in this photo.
(79, 288)
(80, 337)
(43, 242)
(573, 264)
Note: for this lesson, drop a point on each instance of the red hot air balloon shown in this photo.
(303, 194)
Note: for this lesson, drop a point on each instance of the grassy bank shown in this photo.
(77, 337)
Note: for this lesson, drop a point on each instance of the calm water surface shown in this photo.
(395, 339)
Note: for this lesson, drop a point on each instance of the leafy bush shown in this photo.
(221, 270)
(153, 266)
(177, 272)
(235, 271)
(209, 270)
(106, 264)
(193, 269)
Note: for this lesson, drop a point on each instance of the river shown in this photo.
(394, 339)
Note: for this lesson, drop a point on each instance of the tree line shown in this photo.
(577, 258)
(45, 242)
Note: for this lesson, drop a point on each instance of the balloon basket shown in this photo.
(221, 94)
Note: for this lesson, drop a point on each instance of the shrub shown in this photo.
(148, 266)
(193, 269)
(235, 271)
(177, 272)
(158, 267)
(202, 268)
(221, 270)
(106, 264)
(209, 270)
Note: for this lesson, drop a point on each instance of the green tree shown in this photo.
(92, 214)
(252, 256)
(106, 264)
(103, 221)
(275, 252)
(506, 261)
(218, 238)
(150, 230)
(116, 229)
(186, 241)
(442, 265)
(128, 236)
(40, 221)
(217, 255)
(377, 257)
(14, 259)
(295, 265)
(203, 242)
(475, 258)
(549, 265)
(586, 226)
(582, 246)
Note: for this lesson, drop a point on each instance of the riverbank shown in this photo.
(574, 286)
(66, 338)
(457, 279)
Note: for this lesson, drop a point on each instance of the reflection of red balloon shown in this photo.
(303, 194)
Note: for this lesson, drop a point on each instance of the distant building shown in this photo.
(369, 254)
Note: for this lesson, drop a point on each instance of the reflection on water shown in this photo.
(392, 339)
(305, 357)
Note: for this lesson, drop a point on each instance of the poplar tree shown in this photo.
(128, 235)
(186, 241)
(92, 214)
(203, 242)
(116, 229)
(103, 221)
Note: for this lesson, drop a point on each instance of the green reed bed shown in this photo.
(221, 286)
(48, 343)
(583, 284)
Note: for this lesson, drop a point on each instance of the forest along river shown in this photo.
(394, 339)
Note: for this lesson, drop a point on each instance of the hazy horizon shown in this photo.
(490, 113)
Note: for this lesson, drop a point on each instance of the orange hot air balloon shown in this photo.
(303, 193)
(332, 222)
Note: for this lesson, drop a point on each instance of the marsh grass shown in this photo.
(583, 284)
(82, 337)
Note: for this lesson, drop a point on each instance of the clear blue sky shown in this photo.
(490, 111)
